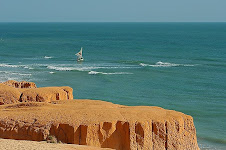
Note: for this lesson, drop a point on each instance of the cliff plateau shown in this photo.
(100, 124)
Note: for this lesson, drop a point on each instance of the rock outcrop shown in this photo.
(22, 84)
(100, 124)
(8, 94)
(13, 92)
(46, 94)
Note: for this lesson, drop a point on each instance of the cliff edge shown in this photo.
(100, 124)
(31, 113)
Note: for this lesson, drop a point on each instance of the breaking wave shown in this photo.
(15, 73)
(165, 64)
(72, 68)
(86, 68)
(10, 75)
(48, 57)
(11, 66)
(21, 66)
(110, 73)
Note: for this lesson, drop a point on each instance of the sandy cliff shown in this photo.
(31, 113)
(22, 84)
(13, 92)
(100, 124)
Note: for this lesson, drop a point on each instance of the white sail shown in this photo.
(79, 55)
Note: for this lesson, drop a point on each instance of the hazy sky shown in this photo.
(112, 10)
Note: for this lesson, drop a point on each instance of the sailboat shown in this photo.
(79, 55)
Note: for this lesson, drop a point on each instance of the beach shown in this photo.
(9, 144)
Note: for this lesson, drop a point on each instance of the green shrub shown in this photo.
(51, 139)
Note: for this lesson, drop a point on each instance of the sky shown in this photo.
(112, 10)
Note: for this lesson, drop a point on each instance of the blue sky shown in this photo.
(112, 10)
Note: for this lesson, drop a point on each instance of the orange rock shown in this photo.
(22, 84)
(8, 94)
(46, 94)
(100, 124)
(13, 92)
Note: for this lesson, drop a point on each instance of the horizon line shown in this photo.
(112, 21)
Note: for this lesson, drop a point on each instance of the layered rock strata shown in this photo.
(14, 92)
(100, 124)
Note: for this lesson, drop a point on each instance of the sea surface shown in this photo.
(178, 66)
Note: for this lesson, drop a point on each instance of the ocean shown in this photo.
(178, 66)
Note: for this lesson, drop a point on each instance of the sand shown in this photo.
(8, 144)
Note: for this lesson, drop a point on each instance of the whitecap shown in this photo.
(93, 72)
(51, 72)
(11, 75)
(143, 64)
(85, 68)
(62, 68)
(11, 66)
(27, 67)
(188, 65)
(21, 74)
(165, 64)
(117, 73)
(48, 57)
(110, 73)
(73, 68)
(15, 73)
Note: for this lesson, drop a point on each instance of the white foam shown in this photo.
(27, 67)
(93, 72)
(166, 64)
(48, 57)
(21, 74)
(11, 66)
(51, 72)
(188, 65)
(15, 73)
(111, 73)
(85, 68)
(143, 64)
(10, 75)
(65, 68)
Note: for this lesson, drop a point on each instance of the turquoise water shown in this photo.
(179, 66)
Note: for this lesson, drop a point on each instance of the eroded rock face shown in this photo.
(99, 124)
(13, 92)
(22, 84)
(8, 94)
(46, 94)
